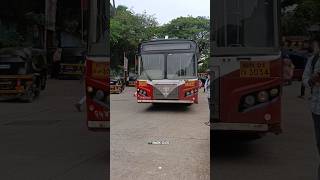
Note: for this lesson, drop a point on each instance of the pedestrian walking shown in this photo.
(311, 79)
(207, 90)
(56, 63)
(80, 103)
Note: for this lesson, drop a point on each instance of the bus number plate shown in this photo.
(99, 70)
(259, 69)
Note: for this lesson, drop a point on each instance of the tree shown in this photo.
(195, 28)
(297, 21)
(128, 29)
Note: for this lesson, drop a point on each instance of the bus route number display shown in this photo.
(260, 69)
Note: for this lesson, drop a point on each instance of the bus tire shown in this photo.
(29, 96)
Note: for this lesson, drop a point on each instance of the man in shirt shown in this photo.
(311, 79)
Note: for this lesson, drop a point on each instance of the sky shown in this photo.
(166, 10)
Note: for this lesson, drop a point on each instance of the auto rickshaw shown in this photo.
(23, 73)
(132, 79)
(116, 83)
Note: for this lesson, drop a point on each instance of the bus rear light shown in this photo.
(263, 96)
(89, 89)
(250, 100)
(259, 97)
(99, 95)
(91, 108)
(274, 92)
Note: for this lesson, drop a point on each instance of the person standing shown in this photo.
(308, 55)
(311, 79)
(288, 69)
(80, 103)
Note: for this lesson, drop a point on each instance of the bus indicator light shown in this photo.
(267, 117)
(274, 92)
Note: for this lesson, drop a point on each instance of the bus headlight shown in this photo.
(274, 92)
(143, 92)
(99, 95)
(263, 96)
(250, 100)
(89, 89)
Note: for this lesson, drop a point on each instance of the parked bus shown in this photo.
(97, 67)
(168, 72)
(246, 65)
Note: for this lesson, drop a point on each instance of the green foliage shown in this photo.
(298, 21)
(9, 37)
(128, 29)
(195, 28)
(205, 65)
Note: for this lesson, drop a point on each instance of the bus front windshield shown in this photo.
(168, 66)
(245, 23)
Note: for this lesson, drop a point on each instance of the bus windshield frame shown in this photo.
(179, 61)
(245, 27)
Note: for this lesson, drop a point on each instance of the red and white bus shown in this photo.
(97, 67)
(246, 65)
(167, 71)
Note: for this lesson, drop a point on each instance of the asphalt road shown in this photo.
(187, 157)
(48, 139)
(290, 155)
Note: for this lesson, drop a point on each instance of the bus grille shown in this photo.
(165, 91)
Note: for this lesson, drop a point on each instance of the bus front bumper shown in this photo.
(167, 101)
(240, 127)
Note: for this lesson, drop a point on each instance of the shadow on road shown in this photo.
(232, 145)
(17, 100)
(168, 107)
